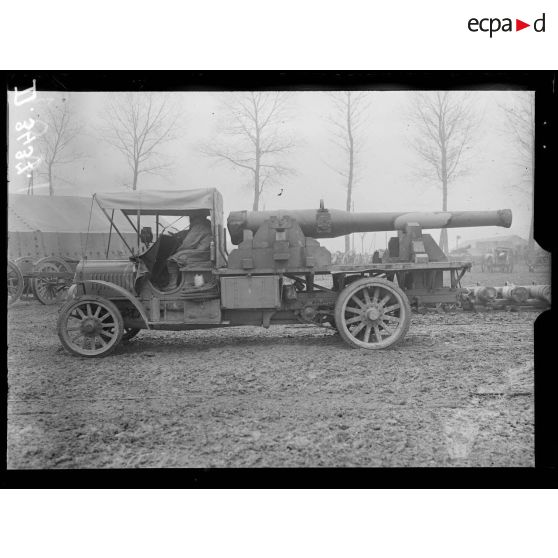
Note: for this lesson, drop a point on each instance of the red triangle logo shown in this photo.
(519, 25)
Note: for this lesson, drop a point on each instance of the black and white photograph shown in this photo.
(254, 278)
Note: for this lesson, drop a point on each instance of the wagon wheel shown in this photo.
(15, 282)
(25, 265)
(51, 290)
(60, 263)
(372, 313)
(130, 333)
(90, 326)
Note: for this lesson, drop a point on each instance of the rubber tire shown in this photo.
(348, 292)
(66, 308)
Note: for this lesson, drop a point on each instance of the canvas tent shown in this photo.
(40, 226)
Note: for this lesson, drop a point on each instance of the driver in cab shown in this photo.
(194, 247)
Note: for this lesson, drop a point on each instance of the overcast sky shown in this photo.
(387, 174)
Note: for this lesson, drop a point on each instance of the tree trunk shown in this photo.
(444, 232)
(444, 168)
(50, 185)
(256, 204)
(135, 177)
(531, 240)
(257, 189)
(351, 167)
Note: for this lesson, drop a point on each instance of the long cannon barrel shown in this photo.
(330, 223)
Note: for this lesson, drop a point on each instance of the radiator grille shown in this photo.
(125, 280)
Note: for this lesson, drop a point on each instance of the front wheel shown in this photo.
(51, 290)
(90, 326)
(372, 313)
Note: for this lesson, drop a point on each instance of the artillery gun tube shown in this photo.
(512, 292)
(540, 292)
(341, 223)
(484, 294)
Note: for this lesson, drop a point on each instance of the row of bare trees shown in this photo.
(446, 125)
(253, 137)
(138, 125)
(520, 121)
(57, 142)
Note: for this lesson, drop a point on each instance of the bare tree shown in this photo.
(444, 123)
(138, 124)
(57, 143)
(252, 137)
(347, 119)
(520, 120)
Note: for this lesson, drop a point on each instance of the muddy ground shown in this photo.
(457, 392)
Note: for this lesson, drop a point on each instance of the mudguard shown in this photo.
(119, 291)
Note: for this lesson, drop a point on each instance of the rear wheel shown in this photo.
(90, 326)
(372, 313)
(15, 283)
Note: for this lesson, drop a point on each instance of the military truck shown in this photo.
(267, 278)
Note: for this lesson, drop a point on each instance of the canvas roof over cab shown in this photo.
(168, 202)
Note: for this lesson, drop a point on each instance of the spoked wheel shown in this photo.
(15, 283)
(130, 333)
(372, 313)
(25, 265)
(90, 326)
(51, 290)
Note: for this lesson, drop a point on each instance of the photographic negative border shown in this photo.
(546, 155)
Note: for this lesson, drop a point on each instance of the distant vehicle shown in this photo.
(500, 259)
